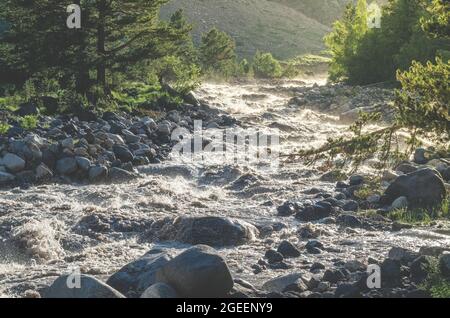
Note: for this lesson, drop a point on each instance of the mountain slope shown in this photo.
(255, 25)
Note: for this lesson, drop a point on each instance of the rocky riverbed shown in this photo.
(104, 197)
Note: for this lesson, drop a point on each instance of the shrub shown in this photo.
(28, 122)
(266, 66)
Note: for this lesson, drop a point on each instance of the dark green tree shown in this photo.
(218, 53)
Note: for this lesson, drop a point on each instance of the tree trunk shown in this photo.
(101, 35)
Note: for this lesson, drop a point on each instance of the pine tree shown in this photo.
(114, 35)
(218, 53)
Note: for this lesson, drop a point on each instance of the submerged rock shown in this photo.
(209, 230)
(291, 282)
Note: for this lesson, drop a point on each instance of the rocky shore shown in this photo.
(92, 148)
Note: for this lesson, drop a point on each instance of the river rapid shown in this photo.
(45, 219)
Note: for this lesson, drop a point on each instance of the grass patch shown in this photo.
(436, 284)
(421, 216)
(29, 122)
(4, 128)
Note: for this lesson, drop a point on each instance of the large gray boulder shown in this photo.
(89, 287)
(209, 230)
(198, 272)
(120, 175)
(423, 188)
(13, 162)
(134, 278)
(66, 166)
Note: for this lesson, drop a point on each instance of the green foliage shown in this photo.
(4, 128)
(436, 284)
(218, 53)
(116, 37)
(28, 122)
(423, 103)
(137, 95)
(358, 52)
(266, 66)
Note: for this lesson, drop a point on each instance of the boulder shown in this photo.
(13, 162)
(66, 166)
(134, 278)
(97, 173)
(123, 153)
(419, 156)
(159, 290)
(26, 109)
(273, 256)
(6, 177)
(419, 268)
(120, 175)
(209, 230)
(90, 287)
(423, 188)
(291, 282)
(197, 272)
(287, 249)
(43, 172)
(315, 212)
(83, 163)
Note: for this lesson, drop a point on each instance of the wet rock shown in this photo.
(390, 272)
(6, 177)
(316, 267)
(97, 173)
(389, 175)
(347, 290)
(444, 264)
(273, 256)
(123, 153)
(120, 175)
(27, 109)
(349, 220)
(197, 272)
(356, 180)
(287, 249)
(43, 172)
(423, 189)
(419, 156)
(90, 287)
(159, 290)
(309, 231)
(333, 276)
(130, 137)
(419, 268)
(83, 163)
(315, 212)
(66, 166)
(282, 284)
(406, 168)
(351, 205)
(209, 230)
(399, 204)
(68, 143)
(287, 209)
(13, 162)
(134, 278)
(403, 255)
(314, 247)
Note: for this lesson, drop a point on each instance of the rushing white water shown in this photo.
(43, 220)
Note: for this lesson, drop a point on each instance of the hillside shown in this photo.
(324, 11)
(255, 25)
